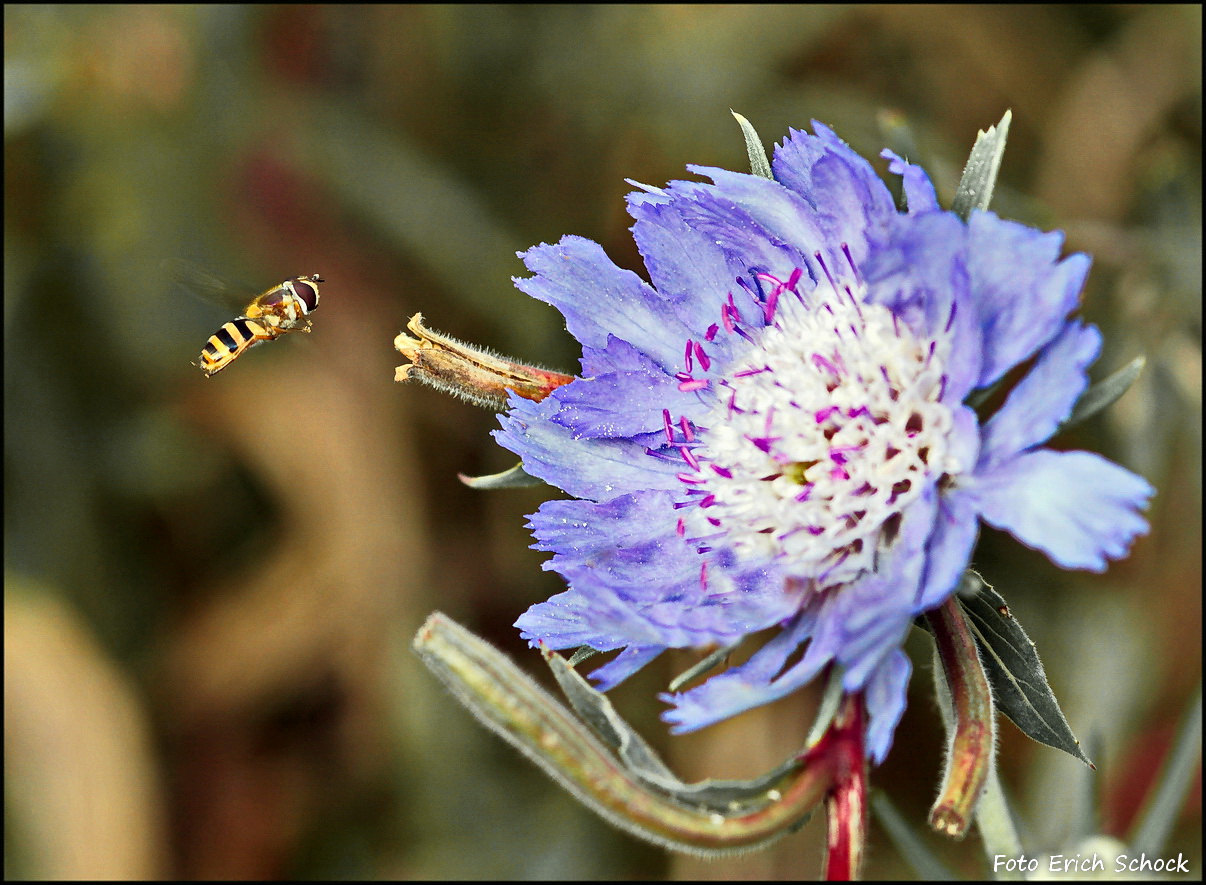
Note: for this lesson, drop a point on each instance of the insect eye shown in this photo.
(308, 294)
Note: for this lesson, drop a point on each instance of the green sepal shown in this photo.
(759, 164)
(980, 174)
(1104, 393)
(515, 478)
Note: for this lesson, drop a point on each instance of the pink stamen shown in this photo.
(710, 335)
(686, 426)
(823, 415)
(763, 443)
(688, 386)
(703, 575)
(825, 269)
(821, 363)
(687, 356)
(772, 300)
(854, 303)
(850, 259)
(681, 528)
(669, 427)
(704, 359)
(708, 501)
(688, 478)
(721, 471)
(689, 458)
(726, 319)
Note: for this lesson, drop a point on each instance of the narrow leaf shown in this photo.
(1019, 683)
(980, 173)
(515, 478)
(640, 760)
(1164, 806)
(702, 666)
(911, 846)
(759, 164)
(1104, 393)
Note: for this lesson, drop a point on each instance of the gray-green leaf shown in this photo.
(1019, 683)
(640, 760)
(515, 478)
(980, 173)
(1104, 393)
(759, 164)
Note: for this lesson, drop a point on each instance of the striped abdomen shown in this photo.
(225, 345)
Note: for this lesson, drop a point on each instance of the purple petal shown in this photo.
(604, 621)
(627, 402)
(886, 696)
(757, 223)
(949, 550)
(598, 299)
(758, 681)
(685, 264)
(633, 537)
(919, 191)
(623, 665)
(598, 469)
(849, 198)
(920, 273)
(1045, 397)
(634, 581)
(1077, 507)
(607, 611)
(1023, 292)
(861, 622)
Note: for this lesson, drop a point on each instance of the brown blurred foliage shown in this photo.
(211, 585)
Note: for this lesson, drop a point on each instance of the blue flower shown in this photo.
(772, 431)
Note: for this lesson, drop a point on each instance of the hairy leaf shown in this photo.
(1019, 684)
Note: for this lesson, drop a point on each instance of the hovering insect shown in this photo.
(271, 314)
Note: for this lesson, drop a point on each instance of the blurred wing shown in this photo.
(185, 276)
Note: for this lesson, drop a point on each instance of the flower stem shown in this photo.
(973, 731)
(510, 703)
(846, 804)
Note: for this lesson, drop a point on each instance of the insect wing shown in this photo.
(187, 277)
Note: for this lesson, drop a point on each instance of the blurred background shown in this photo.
(211, 585)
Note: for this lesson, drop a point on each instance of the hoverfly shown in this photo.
(269, 315)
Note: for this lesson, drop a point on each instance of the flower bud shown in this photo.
(472, 373)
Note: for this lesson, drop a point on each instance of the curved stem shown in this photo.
(512, 705)
(973, 731)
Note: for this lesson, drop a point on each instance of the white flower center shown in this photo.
(824, 429)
